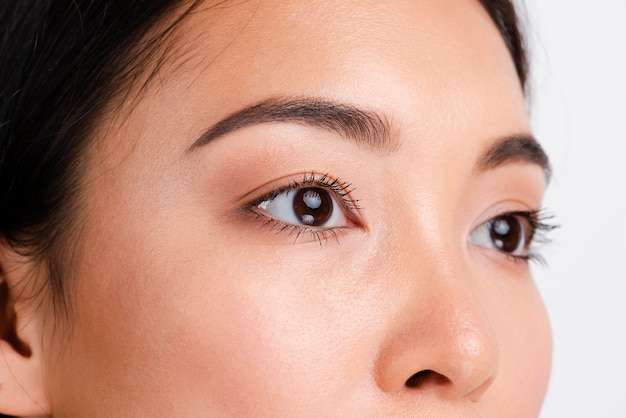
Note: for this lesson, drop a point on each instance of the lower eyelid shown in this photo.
(296, 233)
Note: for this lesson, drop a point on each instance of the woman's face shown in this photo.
(328, 252)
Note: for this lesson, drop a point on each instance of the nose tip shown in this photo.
(454, 354)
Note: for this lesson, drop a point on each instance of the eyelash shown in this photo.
(540, 222)
(340, 189)
(537, 220)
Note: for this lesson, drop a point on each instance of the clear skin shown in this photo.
(187, 304)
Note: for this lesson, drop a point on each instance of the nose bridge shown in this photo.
(441, 337)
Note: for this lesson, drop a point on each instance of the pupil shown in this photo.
(313, 206)
(506, 233)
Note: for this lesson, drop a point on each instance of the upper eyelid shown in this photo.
(501, 208)
(338, 187)
(532, 216)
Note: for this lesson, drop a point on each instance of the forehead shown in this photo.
(240, 47)
(433, 67)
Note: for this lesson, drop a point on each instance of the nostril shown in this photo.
(426, 377)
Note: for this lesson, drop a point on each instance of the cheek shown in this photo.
(173, 300)
(525, 341)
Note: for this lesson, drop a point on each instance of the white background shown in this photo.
(578, 109)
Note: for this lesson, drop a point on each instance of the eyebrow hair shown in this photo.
(521, 148)
(363, 127)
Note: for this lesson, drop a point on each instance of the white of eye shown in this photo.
(506, 233)
(308, 207)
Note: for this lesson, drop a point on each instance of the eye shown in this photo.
(316, 206)
(307, 207)
(510, 233)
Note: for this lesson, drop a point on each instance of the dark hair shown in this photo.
(504, 15)
(62, 62)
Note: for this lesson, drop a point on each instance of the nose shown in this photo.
(440, 339)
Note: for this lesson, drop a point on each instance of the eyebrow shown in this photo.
(363, 127)
(516, 148)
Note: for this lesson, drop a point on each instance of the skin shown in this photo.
(187, 304)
